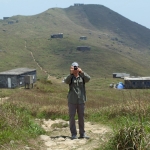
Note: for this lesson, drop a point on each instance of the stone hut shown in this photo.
(83, 38)
(4, 18)
(10, 22)
(120, 75)
(137, 82)
(16, 77)
(78, 4)
(83, 48)
(58, 35)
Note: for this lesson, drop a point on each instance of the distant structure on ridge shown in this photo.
(4, 18)
(83, 48)
(83, 38)
(78, 4)
(57, 35)
(120, 75)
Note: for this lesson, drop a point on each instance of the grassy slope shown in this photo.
(107, 20)
(55, 55)
(110, 52)
(44, 101)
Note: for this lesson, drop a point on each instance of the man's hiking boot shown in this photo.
(84, 136)
(74, 137)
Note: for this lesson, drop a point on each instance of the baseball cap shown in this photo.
(75, 64)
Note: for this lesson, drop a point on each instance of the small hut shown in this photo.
(58, 35)
(137, 82)
(4, 18)
(83, 48)
(83, 38)
(16, 77)
(11, 22)
(120, 75)
(78, 4)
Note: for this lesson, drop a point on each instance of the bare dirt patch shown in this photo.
(2, 100)
(58, 136)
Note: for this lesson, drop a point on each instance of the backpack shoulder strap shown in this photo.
(71, 81)
(80, 76)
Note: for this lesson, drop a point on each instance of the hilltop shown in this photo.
(117, 44)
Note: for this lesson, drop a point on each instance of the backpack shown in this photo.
(71, 82)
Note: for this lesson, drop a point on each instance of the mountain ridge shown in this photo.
(103, 18)
(124, 50)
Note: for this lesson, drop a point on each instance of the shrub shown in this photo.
(16, 123)
(133, 137)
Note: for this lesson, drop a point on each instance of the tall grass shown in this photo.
(16, 124)
(126, 111)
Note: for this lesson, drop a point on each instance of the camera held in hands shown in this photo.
(75, 67)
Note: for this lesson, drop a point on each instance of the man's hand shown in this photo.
(71, 70)
(80, 70)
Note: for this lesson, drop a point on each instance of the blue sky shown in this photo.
(135, 10)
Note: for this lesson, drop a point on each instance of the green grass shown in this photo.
(118, 109)
(123, 50)
(17, 124)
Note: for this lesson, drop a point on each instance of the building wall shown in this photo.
(16, 80)
(83, 38)
(137, 84)
(4, 81)
(57, 36)
(83, 48)
(10, 22)
(4, 18)
(120, 75)
(78, 4)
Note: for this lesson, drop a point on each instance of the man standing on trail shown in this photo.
(76, 98)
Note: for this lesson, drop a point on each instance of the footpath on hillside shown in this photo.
(58, 136)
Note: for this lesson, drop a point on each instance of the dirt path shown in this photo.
(58, 136)
(49, 77)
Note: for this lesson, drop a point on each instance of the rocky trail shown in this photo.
(58, 136)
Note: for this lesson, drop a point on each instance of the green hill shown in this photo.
(117, 44)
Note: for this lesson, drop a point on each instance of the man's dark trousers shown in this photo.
(72, 112)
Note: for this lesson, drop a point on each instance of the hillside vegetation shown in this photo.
(117, 44)
(126, 111)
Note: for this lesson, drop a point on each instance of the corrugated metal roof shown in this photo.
(137, 78)
(17, 71)
(121, 74)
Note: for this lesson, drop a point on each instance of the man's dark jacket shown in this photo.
(77, 92)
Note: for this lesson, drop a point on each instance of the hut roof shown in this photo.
(137, 78)
(17, 71)
(121, 74)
